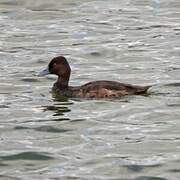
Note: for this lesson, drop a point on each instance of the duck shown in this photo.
(95, 89)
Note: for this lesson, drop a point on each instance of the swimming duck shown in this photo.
(95, 89)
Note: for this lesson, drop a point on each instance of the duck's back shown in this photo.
(101, 89)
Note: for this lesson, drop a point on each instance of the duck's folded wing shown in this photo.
(115, 86)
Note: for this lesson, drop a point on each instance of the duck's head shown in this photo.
(58, 66)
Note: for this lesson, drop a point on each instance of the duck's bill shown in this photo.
(44, 72)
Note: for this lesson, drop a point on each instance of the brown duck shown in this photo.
(95, 89)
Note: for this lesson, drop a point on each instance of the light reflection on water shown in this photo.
(135, 137)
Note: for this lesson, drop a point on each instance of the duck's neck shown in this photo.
(62, 82)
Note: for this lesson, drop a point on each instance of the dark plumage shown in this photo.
(95, 89)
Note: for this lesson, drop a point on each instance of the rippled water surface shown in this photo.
(132, 138)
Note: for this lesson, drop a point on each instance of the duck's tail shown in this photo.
(143, 89)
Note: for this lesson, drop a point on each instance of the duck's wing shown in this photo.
(114, 86)
(102, 89)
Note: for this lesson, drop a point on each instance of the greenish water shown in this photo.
(132, 138)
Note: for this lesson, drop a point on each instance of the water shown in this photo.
(132, 138)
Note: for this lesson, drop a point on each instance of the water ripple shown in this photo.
(34, 156)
